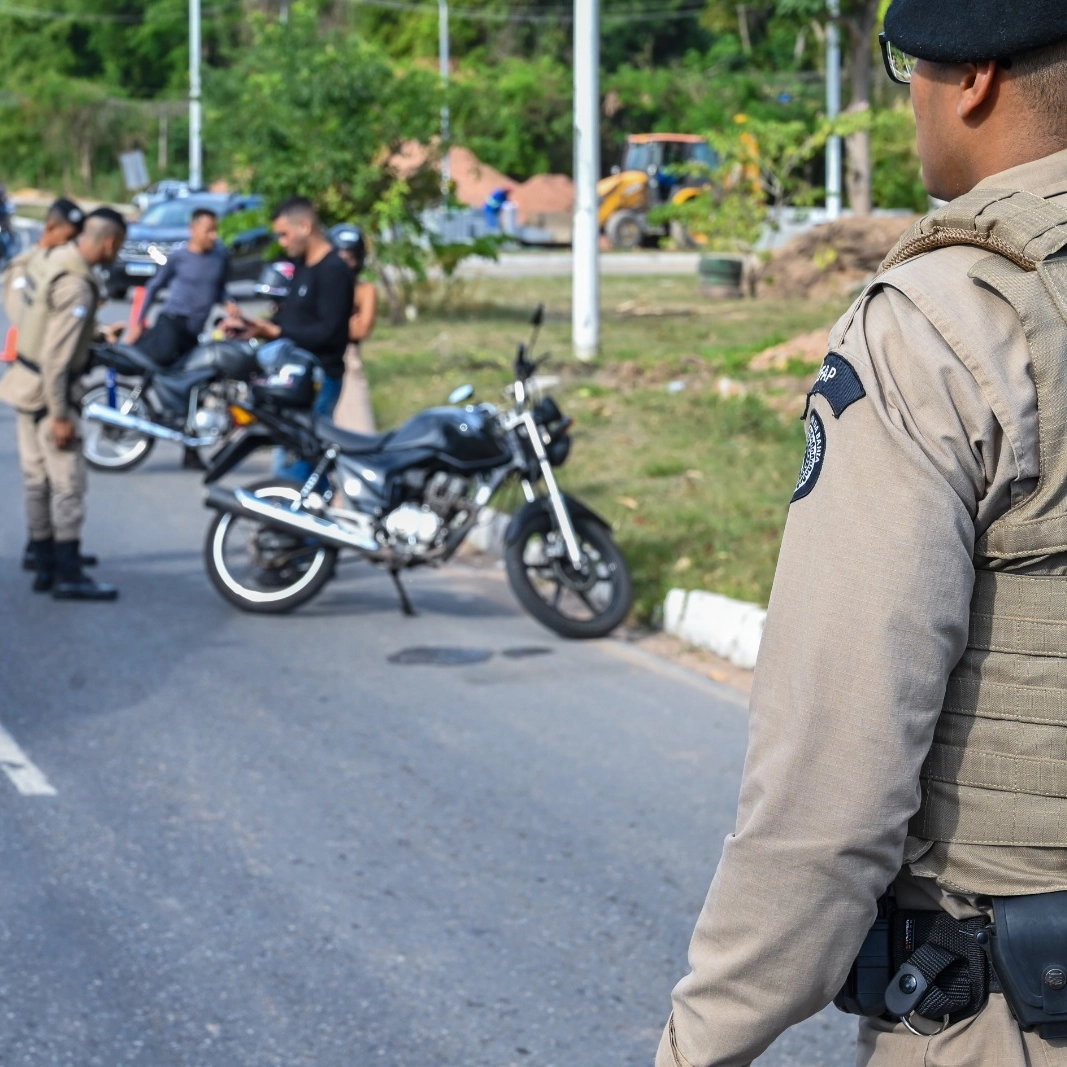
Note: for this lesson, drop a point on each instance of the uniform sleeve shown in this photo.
(71, 301)
(868, 616)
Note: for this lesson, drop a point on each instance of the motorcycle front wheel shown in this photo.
(111, 448)
(260, 569)
(590, 602)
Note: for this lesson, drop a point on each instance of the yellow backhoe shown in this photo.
(651, 175)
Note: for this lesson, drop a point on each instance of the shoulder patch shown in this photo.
(814, 454)
(839, 383)
(79, 311)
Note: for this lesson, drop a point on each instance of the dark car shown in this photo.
(165, 226)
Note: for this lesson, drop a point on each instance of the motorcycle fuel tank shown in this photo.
(463, 436)
(233, 359)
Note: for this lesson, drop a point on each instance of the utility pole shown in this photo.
(196, 156)
(833, 110)
(446, 132)
(585, 295)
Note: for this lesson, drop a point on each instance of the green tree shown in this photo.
(301, 111)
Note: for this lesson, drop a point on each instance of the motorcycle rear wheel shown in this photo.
(283, 571)
(585, 604)
(111, 448)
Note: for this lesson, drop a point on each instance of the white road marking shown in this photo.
(25, 775)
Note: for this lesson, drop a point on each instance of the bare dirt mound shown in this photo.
(807, 348)
(543, 195)
(474, 180)
(834, 259)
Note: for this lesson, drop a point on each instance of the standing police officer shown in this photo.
(906, 778)
(56, 329)
(62, 224)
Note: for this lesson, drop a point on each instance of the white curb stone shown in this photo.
(729, 628)
(488, 534)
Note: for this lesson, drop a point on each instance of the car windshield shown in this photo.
(173, 214)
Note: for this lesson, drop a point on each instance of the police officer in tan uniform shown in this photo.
(56, 329)
(901, 837)
(62, 224)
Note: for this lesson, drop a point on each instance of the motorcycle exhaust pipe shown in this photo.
(281, 517)
(114, 417)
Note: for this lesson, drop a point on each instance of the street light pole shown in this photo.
(585, 293)
(196, 159)
(833, 109)
(442, 47)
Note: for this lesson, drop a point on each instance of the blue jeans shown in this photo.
(300, 470)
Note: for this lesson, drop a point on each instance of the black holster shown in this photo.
(923, 963)
(1028, 945)
(927, 963)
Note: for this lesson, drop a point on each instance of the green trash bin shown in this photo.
(720, 276)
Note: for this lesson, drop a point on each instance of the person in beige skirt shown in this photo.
(354, 411)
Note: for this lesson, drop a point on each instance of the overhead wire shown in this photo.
(547, 15)
(470, 14)
(22, 12)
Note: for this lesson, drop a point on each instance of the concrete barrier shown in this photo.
(729, 628)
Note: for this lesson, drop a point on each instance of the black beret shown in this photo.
(68, 211)
(962, 31)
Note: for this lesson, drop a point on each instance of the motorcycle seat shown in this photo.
(349, 442)
(127, 359)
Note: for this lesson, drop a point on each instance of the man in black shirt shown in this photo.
(315, 313)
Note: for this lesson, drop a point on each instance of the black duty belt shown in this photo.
(928, 966)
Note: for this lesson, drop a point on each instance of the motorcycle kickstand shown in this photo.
(405, 603)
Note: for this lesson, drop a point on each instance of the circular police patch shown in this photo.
(813, 458)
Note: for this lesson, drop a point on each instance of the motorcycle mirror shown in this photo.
(461, 393)
(538, 316)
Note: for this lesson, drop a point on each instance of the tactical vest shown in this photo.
(996, 773)
(42, 272)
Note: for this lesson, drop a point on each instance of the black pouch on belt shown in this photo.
(919, 965)
(1028, 946)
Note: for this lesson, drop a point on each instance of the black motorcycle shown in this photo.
(410, 497)
(140, 402)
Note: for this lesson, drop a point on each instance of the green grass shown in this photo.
(696, 482)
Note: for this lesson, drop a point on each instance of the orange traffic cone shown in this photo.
(136, 306)
(11, 345)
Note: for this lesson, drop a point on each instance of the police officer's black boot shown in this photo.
(29, 559)
(72, 583)
(44, 562)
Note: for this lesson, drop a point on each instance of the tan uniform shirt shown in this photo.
(12, 283)
(868, 616)
(72, 302)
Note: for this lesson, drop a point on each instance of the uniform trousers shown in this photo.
(991, 1038)
(354, 411)
(53, 480)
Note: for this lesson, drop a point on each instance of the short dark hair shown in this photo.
(103, 219)
(1041, 75)
(204, 213)
(297, 207)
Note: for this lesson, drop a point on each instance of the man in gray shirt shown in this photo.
(195, 277)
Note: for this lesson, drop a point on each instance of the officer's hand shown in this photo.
(62, 433)
(113, 332)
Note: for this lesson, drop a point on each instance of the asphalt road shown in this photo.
(271, 844)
